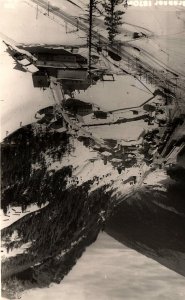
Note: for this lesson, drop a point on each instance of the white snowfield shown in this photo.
(19, 100)
(44, 30)
(163, 24)
(155, 177)
(15, 213)
(88, 164)
(12, 253)
(167, 44)
(126, 131)
(124, 92)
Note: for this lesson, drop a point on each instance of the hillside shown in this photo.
(104, 153)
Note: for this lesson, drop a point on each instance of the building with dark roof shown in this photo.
(40, 79)
(58, 63)
(99, 114)
(44, 53)
(78, 107)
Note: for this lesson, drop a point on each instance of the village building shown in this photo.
(75, 84)
(134, 111)
(46, 54)
(99, 114)
(40, 79)
(58, 63)
(78, 107)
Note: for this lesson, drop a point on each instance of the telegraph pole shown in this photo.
(90, 32)
(48, 8)
(37, 12)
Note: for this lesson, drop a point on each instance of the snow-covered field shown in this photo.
(164, 24)
(124, 92)
(15, 213)
(29, 28)
(167, 24)
(16, 251)
(126, 131)
(19, 100)
(154, 178)
(88, 164)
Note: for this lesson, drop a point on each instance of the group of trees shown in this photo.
(113, 18)
(112, 15)
(67, 225)
(21, 183)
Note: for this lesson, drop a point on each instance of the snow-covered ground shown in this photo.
(113, 117)
(167, 43)
(16, 251)
(88, 164)
(107, 271)
(7, 253)
(15, 213)
(126, 131)
(155, 177)
(124, 92)
(163, 24)
(67, 6)
(43, 29)
(19, 99)
(155, 18)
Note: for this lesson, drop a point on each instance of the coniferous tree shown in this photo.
(113, 18)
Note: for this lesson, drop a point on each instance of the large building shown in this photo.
(44, 53)
(40, 79)
(60, 63)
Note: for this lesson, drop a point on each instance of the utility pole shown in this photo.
(77, 24)
(48, 8)
(90, 32)
(37, 12)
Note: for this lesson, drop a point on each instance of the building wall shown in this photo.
(40, 80)
(53, 57)
(72, 74)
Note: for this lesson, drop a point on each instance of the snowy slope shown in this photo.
(26, 100)
(15, 213)
(20, 101)
(167, 24)
(88, 165)
(43, 29)
(124, 92)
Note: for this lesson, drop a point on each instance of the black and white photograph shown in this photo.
(92, 106)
